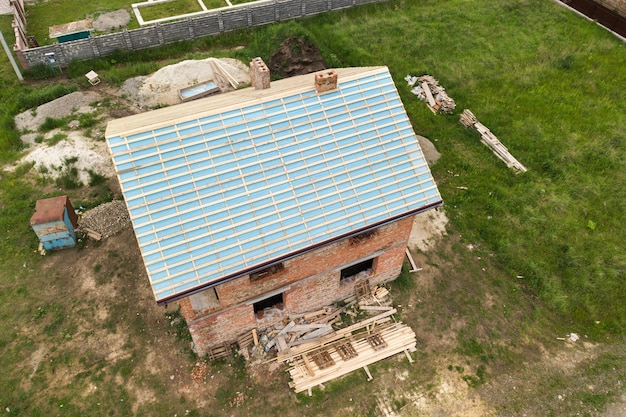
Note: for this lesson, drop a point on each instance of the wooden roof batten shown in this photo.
(168, 157)
(183, 112)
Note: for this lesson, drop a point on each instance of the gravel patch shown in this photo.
(111, 21)
(107, 219)
(76, 102)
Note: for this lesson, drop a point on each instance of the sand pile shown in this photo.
(52, 161)
(161, 88)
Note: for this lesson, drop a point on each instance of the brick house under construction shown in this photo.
(276, 197)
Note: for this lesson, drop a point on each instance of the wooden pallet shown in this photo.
(322, 358)
(247, 339)
(362, 289)
(219, 352)
(377, 342)
(346, 351)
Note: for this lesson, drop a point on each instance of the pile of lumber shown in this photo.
(427, 89)
(348, 349)
(490, 140)
(318, 350)
(335, 340)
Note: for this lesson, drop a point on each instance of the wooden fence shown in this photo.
(604, 16)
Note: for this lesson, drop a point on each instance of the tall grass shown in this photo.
(551, 88)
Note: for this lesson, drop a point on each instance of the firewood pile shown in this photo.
(427, 89)
(490, 140)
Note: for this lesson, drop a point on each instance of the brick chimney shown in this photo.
(259, 74)
(326, 81)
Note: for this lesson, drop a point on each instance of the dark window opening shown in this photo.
(352, 273)
(264, 273)
(275, 301)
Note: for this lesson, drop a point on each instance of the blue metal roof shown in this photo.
(226, 189)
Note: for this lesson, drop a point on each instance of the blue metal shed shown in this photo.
(54, 222)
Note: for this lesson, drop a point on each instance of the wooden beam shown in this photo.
(414, 267)
(367, 371)
(376, 308)
(287, 328)
(312, 314)
(429, 94)
(307, 365)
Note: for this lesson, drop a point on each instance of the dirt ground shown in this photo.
(115, 324)
(295, 56)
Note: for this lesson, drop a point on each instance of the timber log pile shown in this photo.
(427, 89)
(490, 140)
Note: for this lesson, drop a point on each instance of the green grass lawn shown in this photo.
(548, 83)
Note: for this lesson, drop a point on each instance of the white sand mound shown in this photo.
(161, 88)
(50, 160)
(428, 227)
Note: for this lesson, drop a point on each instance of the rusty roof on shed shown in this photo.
(51, 210)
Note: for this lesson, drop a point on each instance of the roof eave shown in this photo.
(256, 268)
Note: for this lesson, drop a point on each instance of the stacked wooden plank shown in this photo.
(349, 353)
(490, 140)
(427, 88)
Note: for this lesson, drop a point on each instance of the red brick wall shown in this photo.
(309, 281)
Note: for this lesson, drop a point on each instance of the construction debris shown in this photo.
(327, 343)
(490, 140)
(427, 88)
